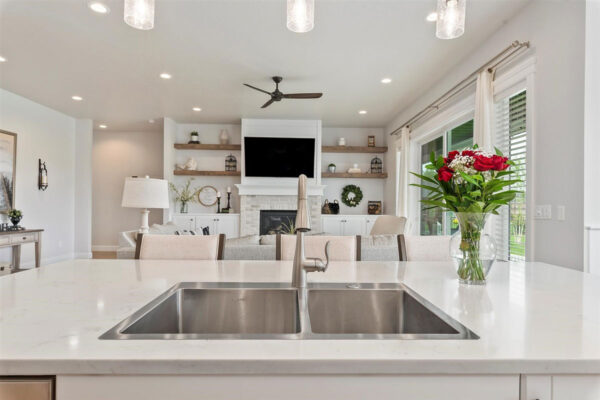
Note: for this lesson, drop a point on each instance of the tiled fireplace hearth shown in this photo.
(251, 206)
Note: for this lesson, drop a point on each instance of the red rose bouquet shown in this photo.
(473, 184)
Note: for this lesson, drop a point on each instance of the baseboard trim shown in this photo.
(104, 248)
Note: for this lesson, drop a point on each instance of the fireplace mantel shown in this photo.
(280, 190)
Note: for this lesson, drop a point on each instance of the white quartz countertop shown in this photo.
(531, 317)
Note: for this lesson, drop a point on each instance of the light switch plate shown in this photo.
(543, 211)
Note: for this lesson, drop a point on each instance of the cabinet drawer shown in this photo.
(4, 240)
(24, 238)
(30, 389)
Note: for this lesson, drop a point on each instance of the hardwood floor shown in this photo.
(104, 255)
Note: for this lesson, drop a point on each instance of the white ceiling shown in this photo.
(59, 48)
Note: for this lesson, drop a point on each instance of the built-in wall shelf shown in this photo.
(200, 146)
(354, 149)
(356, 175)
(206, 173)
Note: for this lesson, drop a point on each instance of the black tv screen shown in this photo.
(279, 157)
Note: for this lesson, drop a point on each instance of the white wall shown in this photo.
(117, 155)
(373, 189)
(557, 34)
(84, 130)
(49, 135)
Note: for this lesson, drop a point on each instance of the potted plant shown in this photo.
(331, 168)
(472, 184)
(184, 195)
(15, 216)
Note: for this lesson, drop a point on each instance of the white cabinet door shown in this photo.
(332, 226)
(536, 387)
(185, 222)
(203, 221)
(570, 387)
(353, 226)
(369, 222)
(229, 225)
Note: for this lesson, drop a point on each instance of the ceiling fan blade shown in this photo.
(255, 88)
(268, 103)
(302, 95)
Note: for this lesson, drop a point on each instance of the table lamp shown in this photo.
(145, 193)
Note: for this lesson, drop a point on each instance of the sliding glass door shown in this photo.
(435, 221)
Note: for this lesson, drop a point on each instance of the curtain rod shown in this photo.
(491, 66)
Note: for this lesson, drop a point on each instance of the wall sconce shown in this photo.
(42, 175)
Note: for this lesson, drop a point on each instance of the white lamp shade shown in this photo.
(145, 193)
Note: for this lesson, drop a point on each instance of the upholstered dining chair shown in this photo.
(341, 248)
(388, 225)
(179, 247)
(424, 248)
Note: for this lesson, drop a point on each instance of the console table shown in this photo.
(15, 239)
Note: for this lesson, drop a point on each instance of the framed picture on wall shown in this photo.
(8, 170)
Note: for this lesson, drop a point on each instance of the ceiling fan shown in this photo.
(278, 96)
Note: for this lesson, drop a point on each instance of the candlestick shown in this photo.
(228, 189)
(228, 200)
(218, 204)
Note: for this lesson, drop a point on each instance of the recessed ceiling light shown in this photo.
(151, 121)
(197, 109)
(362, 112)
(164, 75)
(431, 17)
(386, 80)
(98, 7)
(77, 98)
(2, 59)
(102, 126)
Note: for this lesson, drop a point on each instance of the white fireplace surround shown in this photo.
(267, 193)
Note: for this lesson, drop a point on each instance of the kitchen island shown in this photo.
(538, 328)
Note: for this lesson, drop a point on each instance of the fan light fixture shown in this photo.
(139, 14)
(300, 15)
(450, 18)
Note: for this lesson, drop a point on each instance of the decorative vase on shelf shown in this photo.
(472, 250)
(15, 220)
(183, 209)
(224, 136)
(331, 168)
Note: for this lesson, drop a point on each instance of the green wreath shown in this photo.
(351, 201)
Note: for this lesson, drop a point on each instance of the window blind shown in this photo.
(511, 139)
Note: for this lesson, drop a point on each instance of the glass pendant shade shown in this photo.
(300, 15)
(139, 14)
(450, 18)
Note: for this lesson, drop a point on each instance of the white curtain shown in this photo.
(484, 111)
(403, 173)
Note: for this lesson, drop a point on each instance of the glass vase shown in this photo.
(472, 250)
(183, 209)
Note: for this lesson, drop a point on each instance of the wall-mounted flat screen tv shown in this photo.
(279, 157)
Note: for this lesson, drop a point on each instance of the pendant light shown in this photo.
(450, 18)
(300, 15)
(139, 14)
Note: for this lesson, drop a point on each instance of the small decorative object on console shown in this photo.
(230, 163)
(326, 209)
(351, 195)
(218, 202)
(334, 207)
(190, 165)
(376, 166)
(341, 141)
(371, 141)
(15, 217)
(42, 175)
(472, 184)
(374, 207)
(331, 168)
(228, 208)
(224, 136)
(194, 138)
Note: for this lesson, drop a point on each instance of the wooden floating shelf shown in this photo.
(206, 173)
(186, 146)
(358, 175)
(354, 149)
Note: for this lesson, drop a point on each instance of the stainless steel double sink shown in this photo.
(277, 311)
